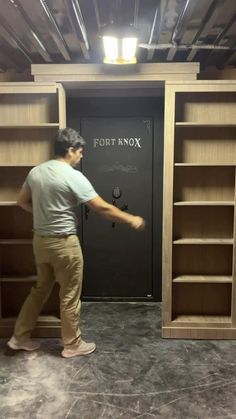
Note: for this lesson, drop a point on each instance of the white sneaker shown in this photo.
(27, 345)
(84, 348)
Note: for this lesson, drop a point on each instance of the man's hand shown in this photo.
(138, 223)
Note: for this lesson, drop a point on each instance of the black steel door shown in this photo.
(118, 162)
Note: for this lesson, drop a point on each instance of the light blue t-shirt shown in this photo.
(57, 189)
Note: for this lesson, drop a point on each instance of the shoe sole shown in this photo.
(22, 347)
(78, 354)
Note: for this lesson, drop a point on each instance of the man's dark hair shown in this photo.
(65, 139)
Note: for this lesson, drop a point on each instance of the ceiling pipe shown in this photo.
(184, 47)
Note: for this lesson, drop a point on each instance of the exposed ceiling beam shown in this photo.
(218, 12)
(171, 13)
(229, 40)
(68, 30)
(77, 22)
(156, 26)
(35, 39)
(8, 61)
(3, 63)
(95, 5)
(136, 11)
(205, 21)
(55, 32)
(11, 39)
(196, 22)
(187, 11)
(80, 21)
(230, 59)
(150, 52)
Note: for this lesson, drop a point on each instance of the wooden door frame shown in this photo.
(102, 80)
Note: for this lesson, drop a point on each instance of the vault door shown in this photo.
(118, 162)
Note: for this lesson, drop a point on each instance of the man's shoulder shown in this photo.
(40, 167)
(77, 175)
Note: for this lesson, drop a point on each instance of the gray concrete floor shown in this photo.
(133, 374)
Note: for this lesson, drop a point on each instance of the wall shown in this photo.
(211, 73)
(13, 75)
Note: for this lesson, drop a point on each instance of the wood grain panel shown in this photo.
(24, 147)
(202, 260)
(205, 145)
(20, 109)
(203, 222)
(201, 299)
(204, 183)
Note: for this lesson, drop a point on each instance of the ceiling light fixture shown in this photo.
(120, 45)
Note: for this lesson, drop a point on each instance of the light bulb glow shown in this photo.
(110, 48)
(129, 46)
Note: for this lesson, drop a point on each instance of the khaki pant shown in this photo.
(60, 259)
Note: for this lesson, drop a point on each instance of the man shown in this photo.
(52, 191)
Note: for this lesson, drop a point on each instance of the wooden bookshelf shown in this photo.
(199, 228)
(30, 115)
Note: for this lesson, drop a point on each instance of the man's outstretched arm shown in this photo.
(110, 212)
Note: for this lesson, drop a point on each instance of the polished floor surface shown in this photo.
(133, 374)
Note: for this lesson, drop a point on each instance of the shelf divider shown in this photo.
(209, 164)
(37, 125)
(15, 241)
(8, 203)
(204, 241)
(203, 279)
(32, 278)
(204, 203)
(202, 319)
(204, 124)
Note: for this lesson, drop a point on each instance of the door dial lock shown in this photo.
(116, 192)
